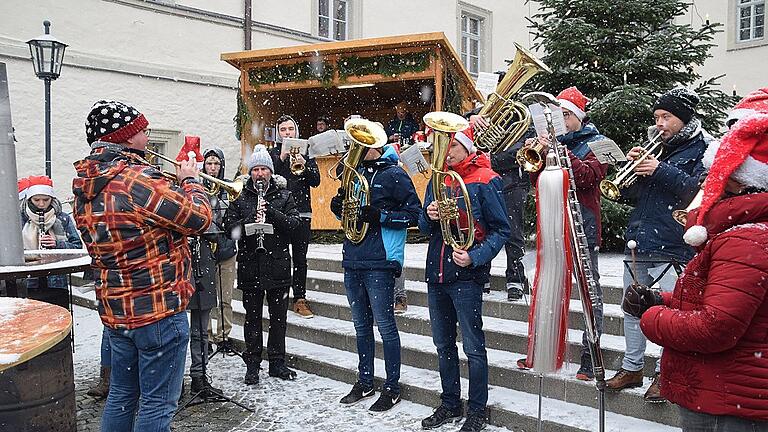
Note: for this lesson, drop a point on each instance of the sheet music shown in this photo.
(486, 83)
(291, 143)
(258, 228)
(413, 160)
(330, 142)
(540, 122)
(607, 151)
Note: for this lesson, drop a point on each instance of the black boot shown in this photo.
(201, 385)
(101, 390)
(252, 374)
(281, 371)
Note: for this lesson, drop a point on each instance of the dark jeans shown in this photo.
(691, 421)
(299, 245)
(370, 294)
(253, 301)
(460, 301)
(597, 307)
(146, 377)
(515, 194)
(198, 340)
(106, 348)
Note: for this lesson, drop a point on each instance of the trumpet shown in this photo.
(234, 188)
(626, 176)
(529, 156)
(444, 124)
(681, 216)
(297, 168)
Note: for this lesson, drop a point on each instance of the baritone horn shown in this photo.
(234, 188)
(445, 125)
(364, 135)
(626, 175)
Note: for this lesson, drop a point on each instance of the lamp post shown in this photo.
(47, 56)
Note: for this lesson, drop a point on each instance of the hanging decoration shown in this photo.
(297, 72)
(242, 116)
(385, 64)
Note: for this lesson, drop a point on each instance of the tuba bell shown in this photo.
(626, 175)
(364, 135)
(446, 124)
(508, 119)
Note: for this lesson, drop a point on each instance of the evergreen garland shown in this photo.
(385, 64)
(297, 72)
(242, 116)
(451, 93)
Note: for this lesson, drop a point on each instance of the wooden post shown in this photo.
(438, 65)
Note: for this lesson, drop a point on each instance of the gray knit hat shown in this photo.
(260, 157)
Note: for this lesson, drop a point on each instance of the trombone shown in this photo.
(233, 188)
(626, 176)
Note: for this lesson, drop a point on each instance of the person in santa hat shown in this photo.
(456, 278)
(587, 173)
(713, 326)
(663, 184)
(46, 226)
(23, 184)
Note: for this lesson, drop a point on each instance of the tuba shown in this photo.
(508, 119)
(446, 124)
(626, 175)
(364, 135)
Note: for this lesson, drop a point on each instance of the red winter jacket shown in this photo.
(714, 326)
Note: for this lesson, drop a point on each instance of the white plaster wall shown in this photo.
(292, 14)
(226, 7)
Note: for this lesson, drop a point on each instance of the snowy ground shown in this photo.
(308, 404)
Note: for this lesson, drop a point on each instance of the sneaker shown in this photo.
(514, 291)
(358, 393)
(301, 307)
(386, 401)
(585, 372)
(252, 375)
(653, 394)
(281, 371)
(625, 379)
(475, 422)
(401, 305)
(441, 416)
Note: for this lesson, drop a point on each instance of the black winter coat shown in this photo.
(204, 274)
(298, 185)
(270, 269)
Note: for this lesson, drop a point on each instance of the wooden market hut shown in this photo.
(335, 79)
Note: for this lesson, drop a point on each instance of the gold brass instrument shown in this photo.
(234, 188)
(364, 135)
(626, 175)
(297, 168)
(446, 124)
(508, 119)
(681, 216)
(529, 156)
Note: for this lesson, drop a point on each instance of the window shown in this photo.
(751, 20)
(332, 19)
(471, 42)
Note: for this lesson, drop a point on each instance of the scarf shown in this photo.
(51, 225)
(577, 141)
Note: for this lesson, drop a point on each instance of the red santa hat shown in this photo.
(742, 155)
(191, 150)
(40, 185)
(23, 184)
(574, 101)
(467, 139)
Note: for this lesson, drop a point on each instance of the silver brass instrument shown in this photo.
(446, 124)
(260, 216)
(234, 188)
(681, 216)
(626, 175)
(585, 281)
(364, 135)
(508, 119)
(297, 168)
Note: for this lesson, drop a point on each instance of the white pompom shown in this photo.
(696, 235)
(191, 156)
(631, 244)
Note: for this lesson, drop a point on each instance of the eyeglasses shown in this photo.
(146, 132)
(566, 114)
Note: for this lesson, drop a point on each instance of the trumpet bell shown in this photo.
(365, 132)
(609, 190)
(445, 121)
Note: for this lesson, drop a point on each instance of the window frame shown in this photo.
(752, 5)
(484, 19)
(332, 20)
(734, 26)
(167, 142)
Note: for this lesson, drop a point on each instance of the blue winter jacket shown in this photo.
(392, 192)
(672, 186)
(491, 225)
(73, 242)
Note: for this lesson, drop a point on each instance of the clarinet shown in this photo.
(260, 217)
(40, 230)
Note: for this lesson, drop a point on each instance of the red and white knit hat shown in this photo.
(40, 185)
(574, 101)
(23, 184)
(742, 155)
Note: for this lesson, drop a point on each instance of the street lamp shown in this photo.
(47, 56)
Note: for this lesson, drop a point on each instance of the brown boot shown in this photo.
(301, 307)
(625, 379)
(653, 394)
(101, 390)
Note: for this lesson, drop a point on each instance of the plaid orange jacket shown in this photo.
(134, 223)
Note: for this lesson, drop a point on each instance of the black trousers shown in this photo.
(277, 304)
(299, 245)
(515, 194)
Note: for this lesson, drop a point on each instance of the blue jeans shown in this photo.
(460, 301)
(106, 351)
(691, 421)
(147, 372)
(634, 338)
(370, 294)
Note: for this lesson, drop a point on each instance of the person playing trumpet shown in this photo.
(664, 184)
(587, 172)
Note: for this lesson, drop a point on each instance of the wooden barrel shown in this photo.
(37, 390)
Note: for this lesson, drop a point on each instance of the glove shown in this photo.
(337, 201)
(370, 214)
(638, 299)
